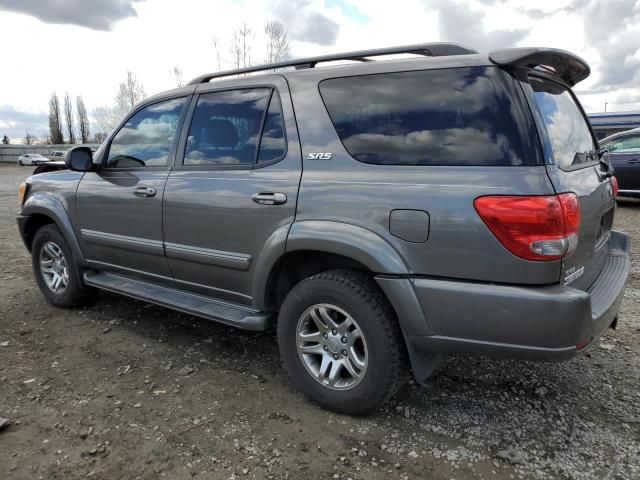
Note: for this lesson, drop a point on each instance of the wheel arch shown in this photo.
(310, 247)
(41, 210)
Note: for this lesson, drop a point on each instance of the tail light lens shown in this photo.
(614, 186)
(541, 228)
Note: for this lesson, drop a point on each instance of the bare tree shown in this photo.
(106, 119)
(241, 45)
(99, 137)
(68, 116)
(236, 49)
(216, 46)
(278, 48)
(28, 138)
(130, 92)
(83, 119)
(5, 140)
(55, 131)
(246, 34)
(177, 74)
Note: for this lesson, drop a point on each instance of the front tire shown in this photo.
(339, 341)
(56, 272)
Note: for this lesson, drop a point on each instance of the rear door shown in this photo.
(573, 167)
(624, 155)
(234, 188)
(119, 206)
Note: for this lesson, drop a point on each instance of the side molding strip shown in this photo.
(219, 258)
(237, 261)
(143, 245)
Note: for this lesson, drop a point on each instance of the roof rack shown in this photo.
(426, 49)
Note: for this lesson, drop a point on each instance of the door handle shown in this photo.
(267, 198)
(144, 192)
(634, 160)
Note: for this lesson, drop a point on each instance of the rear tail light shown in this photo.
(614, 186)
(542, 228)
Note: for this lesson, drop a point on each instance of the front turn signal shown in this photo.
(22, 192)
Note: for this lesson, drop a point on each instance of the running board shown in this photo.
(228, 313)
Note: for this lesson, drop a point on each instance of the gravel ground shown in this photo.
(123, 390)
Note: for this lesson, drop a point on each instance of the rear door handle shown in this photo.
(634, 160)
(144, 192)
(268, 198)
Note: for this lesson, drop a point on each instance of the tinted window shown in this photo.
(272, 144)
(145, 140)
(568, 131)
(226, 127)
(461, 116)
(629, 144)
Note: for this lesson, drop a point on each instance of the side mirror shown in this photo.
(79, 159)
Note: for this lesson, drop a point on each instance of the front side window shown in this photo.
(145, 140)
(457, 116)
(629, 144)
(569, 134)
(225, 129)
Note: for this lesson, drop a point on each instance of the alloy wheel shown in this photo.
(53, 267)
(332, 347)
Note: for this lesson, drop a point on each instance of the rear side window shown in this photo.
(567, 128)
(461, 116)
(272, 143)
(629, 144)
(225, 129)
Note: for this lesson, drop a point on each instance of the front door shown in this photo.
(119, 206)
(234, 187)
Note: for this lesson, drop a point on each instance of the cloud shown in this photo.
(459, 23)
(616, 37)
(15, 122)
(96, 14)
(304, 23)
(611, 29)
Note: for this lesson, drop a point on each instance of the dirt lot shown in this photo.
(103, 392)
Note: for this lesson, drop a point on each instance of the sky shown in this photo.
(85, 47)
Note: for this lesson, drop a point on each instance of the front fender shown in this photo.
(41, 203)
(348, 240)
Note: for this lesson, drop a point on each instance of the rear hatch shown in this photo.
(573, 166)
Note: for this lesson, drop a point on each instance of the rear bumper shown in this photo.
(535, 323)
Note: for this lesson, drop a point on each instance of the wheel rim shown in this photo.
(332, 347)
(53, 267)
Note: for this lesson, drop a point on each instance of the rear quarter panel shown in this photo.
(459, 244)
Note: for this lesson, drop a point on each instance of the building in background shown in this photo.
(608, 123)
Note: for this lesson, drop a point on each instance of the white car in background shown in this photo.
(31, 159)
(57, 155)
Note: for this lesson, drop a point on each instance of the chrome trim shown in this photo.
(220, 258)
(123, 241)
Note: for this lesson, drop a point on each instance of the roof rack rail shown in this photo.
(426, 49)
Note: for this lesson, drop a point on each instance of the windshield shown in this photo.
(569, 134)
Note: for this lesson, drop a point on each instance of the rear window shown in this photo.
(461, 116)
(569, 135)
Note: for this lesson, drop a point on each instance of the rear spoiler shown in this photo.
(569, 67)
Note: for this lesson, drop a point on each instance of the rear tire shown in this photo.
(340, 342)
(55, 269)
(20, 163)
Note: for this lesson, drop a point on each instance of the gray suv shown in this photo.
(378, 213)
